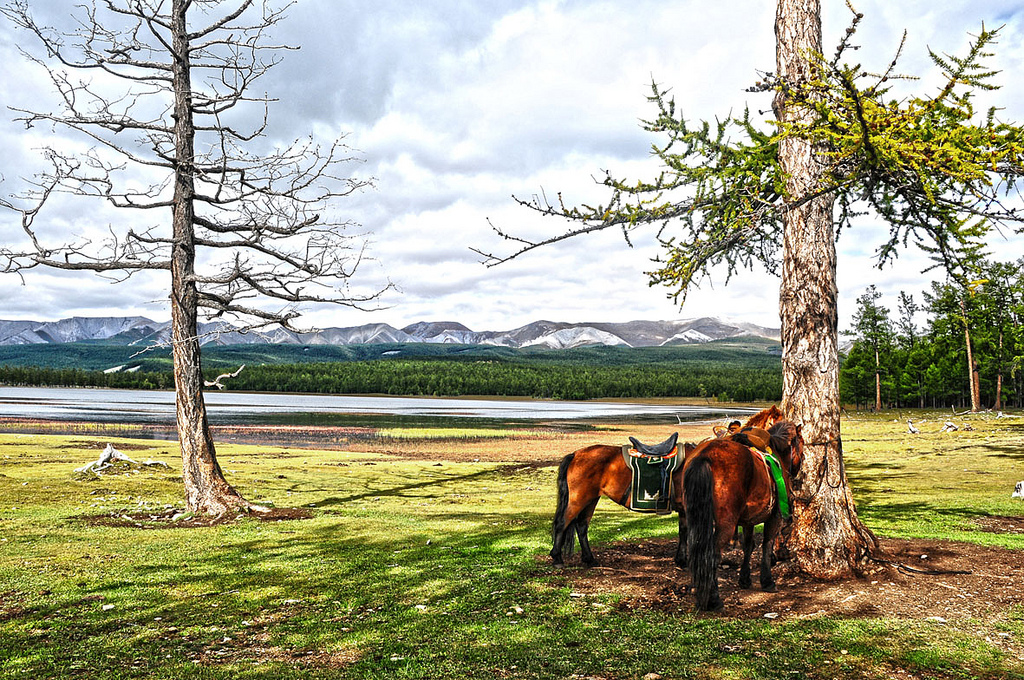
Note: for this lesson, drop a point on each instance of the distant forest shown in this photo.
(747, 370)
(973, 335)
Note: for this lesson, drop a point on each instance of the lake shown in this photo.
(157, 407)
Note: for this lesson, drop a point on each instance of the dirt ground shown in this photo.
(645, 575)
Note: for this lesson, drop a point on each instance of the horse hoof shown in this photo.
(769, 588)
(745, 584)
(558, 565)
(715, 605)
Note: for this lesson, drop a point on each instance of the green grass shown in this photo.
(935, 484)
(428, 569)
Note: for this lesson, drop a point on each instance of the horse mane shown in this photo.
(782, 435)
(772, 414)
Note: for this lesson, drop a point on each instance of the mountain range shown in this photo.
(137, 330)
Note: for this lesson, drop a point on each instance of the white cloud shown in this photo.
(458, 105)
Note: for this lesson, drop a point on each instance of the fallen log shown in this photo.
(109, 456)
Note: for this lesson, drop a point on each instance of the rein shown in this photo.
(824, 465)
(907, 569)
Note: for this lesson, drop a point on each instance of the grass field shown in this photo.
(423, 557)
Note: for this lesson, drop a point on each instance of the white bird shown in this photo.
(910, 427)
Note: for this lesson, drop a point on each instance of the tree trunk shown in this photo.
(878, 384)
(206, 490)
(972, 366)
(826, 538)
(998, 405)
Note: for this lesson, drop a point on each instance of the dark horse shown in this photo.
(587, 474)
(727, 484)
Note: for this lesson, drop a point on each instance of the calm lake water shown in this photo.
(157, 407)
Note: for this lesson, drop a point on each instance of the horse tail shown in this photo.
(698, 485)
(559, 526)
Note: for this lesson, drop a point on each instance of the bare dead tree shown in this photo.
(161, 92)
(216, 382)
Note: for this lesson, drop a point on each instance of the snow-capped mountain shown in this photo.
(575, 337)
(550, 334)
(74, 329)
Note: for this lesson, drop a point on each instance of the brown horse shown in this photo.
(587, 474)
(583, 477)
(765, 419)
(726, 483)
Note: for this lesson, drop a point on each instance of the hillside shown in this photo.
(747, 369)
(140, 332)
(95, 356)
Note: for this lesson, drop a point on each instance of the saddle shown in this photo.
(753, 436)
(652, 467)
(666, 449)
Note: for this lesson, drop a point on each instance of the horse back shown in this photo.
(595, 465)
(742, 486)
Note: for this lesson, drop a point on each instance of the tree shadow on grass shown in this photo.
(287, 596)
(403, 488)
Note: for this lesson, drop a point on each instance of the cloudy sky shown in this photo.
(458, 105)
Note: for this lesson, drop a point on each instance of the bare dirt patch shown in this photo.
(172, 518)
(11, 606)
(998, 524)
(644, 574)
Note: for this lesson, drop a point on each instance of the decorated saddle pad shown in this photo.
(651, 486)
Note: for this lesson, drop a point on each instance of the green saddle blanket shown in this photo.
(651, 487)
(780, 483)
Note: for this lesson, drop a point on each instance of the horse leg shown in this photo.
(562, 527)
(681, 556)
(715, 603)
(771, 529)
(748, 548)
(557, 539)
(566, 528)
(582, 525)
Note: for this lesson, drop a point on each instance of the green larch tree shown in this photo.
(737, 192)
(871, 326)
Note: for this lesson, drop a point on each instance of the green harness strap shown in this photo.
(780, 483)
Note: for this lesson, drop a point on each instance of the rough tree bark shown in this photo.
(826, 538)
(206, 490)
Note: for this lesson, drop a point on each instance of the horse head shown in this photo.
(787, 441)
(765, 419)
